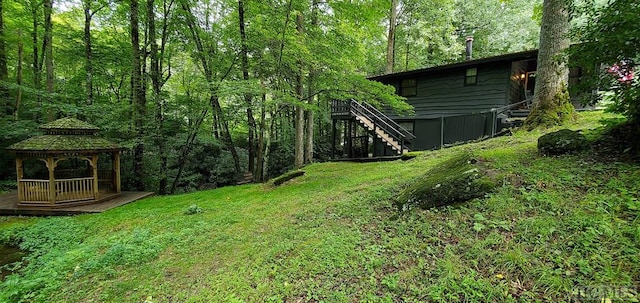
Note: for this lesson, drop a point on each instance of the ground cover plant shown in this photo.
(552, 227)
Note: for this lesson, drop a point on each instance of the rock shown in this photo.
(457, 179)
(562, 142)
(286, 177)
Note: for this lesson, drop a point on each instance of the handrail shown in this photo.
(74, 179)
(390, 121)
(504, 108)
(389, 126)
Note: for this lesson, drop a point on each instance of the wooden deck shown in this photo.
(9, 205)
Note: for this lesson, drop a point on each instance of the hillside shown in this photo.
(555, 226)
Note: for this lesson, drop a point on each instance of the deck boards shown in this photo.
(9, 205)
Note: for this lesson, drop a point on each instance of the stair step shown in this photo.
(246, 179)
(380, 133)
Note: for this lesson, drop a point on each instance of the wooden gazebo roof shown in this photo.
(63, 136)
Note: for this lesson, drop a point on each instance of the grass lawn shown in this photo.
(554, 226)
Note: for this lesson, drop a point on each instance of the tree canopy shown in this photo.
(202, 91)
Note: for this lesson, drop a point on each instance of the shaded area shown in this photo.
(9, 255)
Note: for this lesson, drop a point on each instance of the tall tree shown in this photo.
(391, 36)
(48, 54)
(551, 103)
(137, 97)
(156, 94)
(158, 57)
(244, 58)
(16, 109)
(299, 117)
(88, 49)
(4, 74)
(308, 151)
(205, 52)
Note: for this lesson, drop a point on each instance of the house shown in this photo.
(453, 103)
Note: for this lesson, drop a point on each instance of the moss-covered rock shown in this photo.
(457, 179)
(562, 142)
(287, 176)
(410, 155)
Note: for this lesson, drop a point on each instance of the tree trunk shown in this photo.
(308, 151)
(138, 99)
(260, 153)
(4, 73)
(19, 76)
(186, 149)
(156, 83)
(36, 64)
(552, 105)
(299, 120)
(88, 53)
(202, 55)
(48, 52)
(391, 37)
(247, 97)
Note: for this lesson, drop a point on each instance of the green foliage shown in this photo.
(607, 39)
(457, 179)
(11, 132)
(280, 159)
(192, 210)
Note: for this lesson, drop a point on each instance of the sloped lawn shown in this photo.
(553, 227)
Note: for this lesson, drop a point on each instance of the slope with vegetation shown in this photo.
(553, 226)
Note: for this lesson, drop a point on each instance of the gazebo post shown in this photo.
(115, 163)
(19, 176)
(94, 164)
(51, 165)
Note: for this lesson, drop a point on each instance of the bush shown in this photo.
(609, 39)
(281, 159)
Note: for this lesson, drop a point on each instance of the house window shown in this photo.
(408, 88)
(471, 76)
(408, 125)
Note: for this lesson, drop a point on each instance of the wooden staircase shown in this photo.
(383, 127)
(380, 133)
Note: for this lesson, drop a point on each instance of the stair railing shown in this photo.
(380, 120)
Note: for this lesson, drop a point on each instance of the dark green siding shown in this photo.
(444, 93)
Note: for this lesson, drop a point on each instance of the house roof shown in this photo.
(524, 55)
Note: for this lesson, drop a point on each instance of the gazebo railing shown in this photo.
(77, 189)
(67, 190)
(33, 191)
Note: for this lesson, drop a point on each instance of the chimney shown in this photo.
(469, 48)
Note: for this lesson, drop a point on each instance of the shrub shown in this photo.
(280, 160)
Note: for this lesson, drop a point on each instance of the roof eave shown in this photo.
(530, 54)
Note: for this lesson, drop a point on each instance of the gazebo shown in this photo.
(67, 139)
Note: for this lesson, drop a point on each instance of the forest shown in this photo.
(201, 93)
